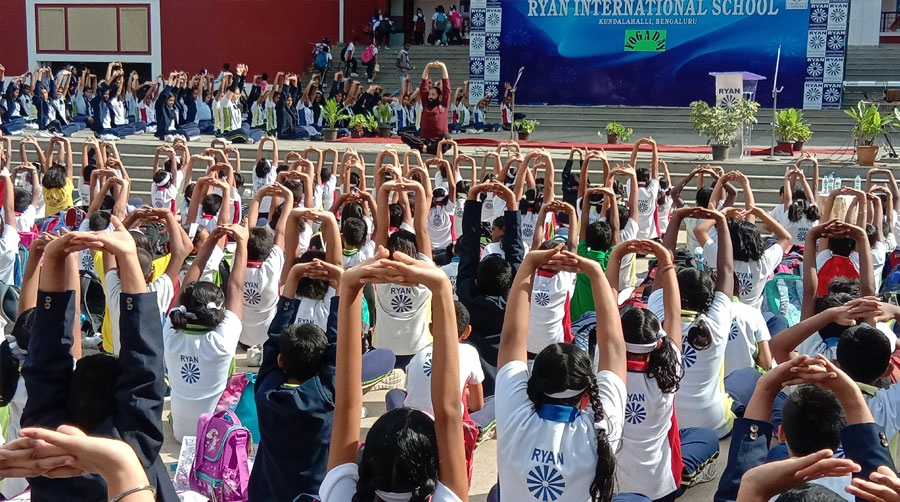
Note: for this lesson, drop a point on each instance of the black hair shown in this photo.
(259, 244)
(160, 176)
(801, 207)
(560, 367)
(22, 199)
(499, 222)
(624, 215)
(462, 317)
(809, 492)
(275, 215)
(746, 243)
(189, 191)
(403, 241)
(663, 190)
(325, 174)
(296, 188)
(353, 210)
(401, 455)
(703, 196)
(307, 287)
(697, 292)
(845, 285)
(864, 353)
(494, 276)
(354, 231)
(211, 204)
(871, 234)
(642, 326)
(238, 180)
(812, 419)
(263, 167)
(533, 200)
(643, 175)
(92, 391)
(462, 188)
(108, 203)
(99, 221)
(194, 298)
(823, 303)
(354, 179)
(141, 240)
(264, 76)
(302, 348)
(88, 169)
(145, 260)
(598, 236)
(55, 177)
(841, 246)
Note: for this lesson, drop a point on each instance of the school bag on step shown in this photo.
(221, 469)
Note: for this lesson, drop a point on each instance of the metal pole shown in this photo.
(341, 20)
(775, 91)
(512, 124)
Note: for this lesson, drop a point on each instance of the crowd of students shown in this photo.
(496, 306)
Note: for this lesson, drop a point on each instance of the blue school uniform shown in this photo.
(292, 461)
(140, 390)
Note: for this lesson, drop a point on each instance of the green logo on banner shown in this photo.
(645, 40)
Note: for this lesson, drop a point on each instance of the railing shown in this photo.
(887, 21)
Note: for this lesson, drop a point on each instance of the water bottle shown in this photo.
(828, 183)
(837, 183)
(698, 258)
(857, 183)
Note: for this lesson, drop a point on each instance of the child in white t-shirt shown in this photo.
(799, 211)
(647, 190)
(264, 173)
(201, 335)
(550, 443)
(314, 293)
(9, 235)
(26, 207)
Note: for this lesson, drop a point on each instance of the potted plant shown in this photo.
(803, 135)
(869, 124)
(791, 129)
(525, 127)
(333, 113)
(383, 116)
(722, 124)
(361, 123)
(616, 131)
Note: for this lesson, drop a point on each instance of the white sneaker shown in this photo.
(169, 138)
(139, 132)
(354, 74)
(15, 133)
(250, 141)
(31, 125)
(477, 131)
(194, 138)
(226, 141)
(109, 137)
(43, 134)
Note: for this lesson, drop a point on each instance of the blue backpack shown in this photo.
(783, 295)
(322, 60)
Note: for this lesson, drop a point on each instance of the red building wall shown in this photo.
(13, 36)
(267, 35)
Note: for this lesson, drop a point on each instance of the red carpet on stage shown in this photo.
(619, 147)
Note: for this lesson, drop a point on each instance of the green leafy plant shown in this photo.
(333, 113)
(722, 124)
(790, 127)
(525, 125)
(383, 115)
(870, 122)
(363, 122)
(623, 133)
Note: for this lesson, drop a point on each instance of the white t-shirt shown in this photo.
(403, 316)
(547, 459)
(665, 209)
(440, 224)
(452, 270)
(340, 483)
(644, 463)
(700, 400)
(751, 275)
(164, 197)
(458, 216)
(162, 286)
(9, 250)
(353, 258)
(628, 232)
(418, 375)
(748, 329)
(198, 364)
(261, 297)
(260, 182)
(646, 203)
(316, 312)
(25, 219)
(879, 256)
(549, 302)
(799, 228)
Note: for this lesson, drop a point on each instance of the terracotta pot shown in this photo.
(359, 133)
(523, 136)
(720, 152)
(865, 155)
(384, 131)
(612, 138)
(798, 146)
(330, 134)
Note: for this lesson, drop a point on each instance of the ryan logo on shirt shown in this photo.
(545, 482)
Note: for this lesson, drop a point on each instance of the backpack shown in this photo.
(51, 224)
(221, 469)
(322, 60)
(19, 265)
(791, 263)
(344, 52)
(239, 396)
(368, 54)
(9, 305)
(783, 295)
(93, 303)
(836, 266)
(440, 24)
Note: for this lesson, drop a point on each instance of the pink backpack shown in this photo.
(221, 469)
(368, 54)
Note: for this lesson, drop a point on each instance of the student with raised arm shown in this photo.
(440, 216)
(799, 207)
(894, 195)
(700, 400)
(435, 107)
(627, 224)
(845, 253)
(114, 397)
(647, 188)
(545, 431)
(202, 332)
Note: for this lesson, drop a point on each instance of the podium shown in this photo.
(726, 83)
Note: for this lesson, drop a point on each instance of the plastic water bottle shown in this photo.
(837, 183)
(698, 257)
(857, 183)
(828, 183)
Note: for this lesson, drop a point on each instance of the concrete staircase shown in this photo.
(876, 62)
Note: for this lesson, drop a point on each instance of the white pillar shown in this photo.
(864, 24)
(340, 21)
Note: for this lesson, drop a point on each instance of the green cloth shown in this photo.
(583, 298)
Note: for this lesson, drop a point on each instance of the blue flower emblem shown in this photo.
(190, 373)
(734, 332)
(542, 298)
(251, 295)
(401, 303)
(545, 483)
(427, 366)
(689, 355)
(635, 413)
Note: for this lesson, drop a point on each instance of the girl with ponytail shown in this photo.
(656, 456)
(706, 319)
(409, 455)
(801, 212)
(558, 428)
(201, 333)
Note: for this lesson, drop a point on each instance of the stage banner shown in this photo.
(656, 52)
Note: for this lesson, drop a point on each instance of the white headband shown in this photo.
(646, 348)
(165, 179)
(566, 394)
(393, 497)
